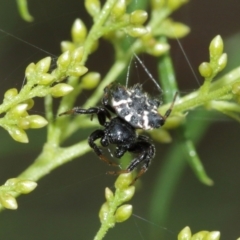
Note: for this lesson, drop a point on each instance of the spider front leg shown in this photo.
(99, 134)
(101, 112)
(146, 152)
(168, 112)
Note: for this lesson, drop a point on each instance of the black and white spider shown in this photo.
(134, 109)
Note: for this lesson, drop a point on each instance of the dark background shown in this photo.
(65, 204)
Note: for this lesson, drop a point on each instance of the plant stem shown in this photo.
(95, 32)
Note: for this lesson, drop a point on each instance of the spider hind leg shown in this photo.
(146, 152)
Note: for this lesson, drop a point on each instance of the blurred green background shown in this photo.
(65, 204)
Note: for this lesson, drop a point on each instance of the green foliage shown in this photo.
(113, 22)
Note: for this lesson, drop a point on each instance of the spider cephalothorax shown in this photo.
(134, 109)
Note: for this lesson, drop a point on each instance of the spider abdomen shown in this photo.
(133, 105)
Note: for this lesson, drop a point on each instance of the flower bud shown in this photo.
(36, 121)
(174, 121)
(29, 102)
(127, 194)
(123, 181)
(103, 213)
(18, 134)
(161, 135)
(137, 31)
(91, 80)
(216, 47)
(205, 69)
(77, 54)
(215, 235)
(199, 235)
(108, 194)
(8, 201)
(43, 65)
(20, 109)
(222, 62)
(46, 79)
(180, 30)
(94, 46)
(58, 74)
(61, 89)
(93, 7)
(10, 94)
(64, 60)
(11, 182)
(67, 46)
(78, 31)
(77, 71)
(31, 68)
(119, 9)
(25, 186)
(175, 29)
(123, 213)
(23, 123)
(158, 49)
(147, 38)
(185, 234)
(138, 17)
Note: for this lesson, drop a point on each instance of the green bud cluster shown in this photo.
(69, 64)
(11, 188)
(114, 209)
(131, 23)
(121, 21)
(39, 83)
(218, 59)
(149, 35)
(229, 87)
(158, 27)
(17, 119)
(186, 234)
(38, 73)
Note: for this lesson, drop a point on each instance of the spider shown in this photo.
(134, 109)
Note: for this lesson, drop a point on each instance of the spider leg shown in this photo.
(168, 112)
(120, 151)
(101, 112)
(91, 141)
(146, 152)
